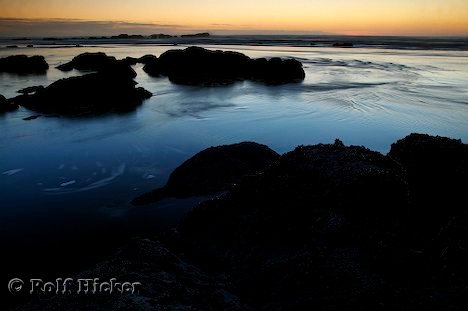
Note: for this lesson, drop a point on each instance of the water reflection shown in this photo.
(69, 173)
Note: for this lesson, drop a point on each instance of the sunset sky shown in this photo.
(355, 17)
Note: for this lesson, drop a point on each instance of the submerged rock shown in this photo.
(6, 105)
(110, 89)
(88, 61)
(198, 66)
(23, 64)
(213, 170)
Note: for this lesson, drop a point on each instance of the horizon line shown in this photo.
(11, 27)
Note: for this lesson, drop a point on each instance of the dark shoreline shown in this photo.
(378, 42)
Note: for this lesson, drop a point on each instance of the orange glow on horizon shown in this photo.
(399, 17)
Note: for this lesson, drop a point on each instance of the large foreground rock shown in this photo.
(23, 64)
(320, 229)
(331, 227)
(198, 66)
(167, 283)
(213, 170)
(6, 105)
(437, 169)
(111, 89)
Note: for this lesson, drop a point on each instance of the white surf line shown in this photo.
(116, 172)
(68, 183)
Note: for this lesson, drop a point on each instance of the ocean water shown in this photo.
(74, 177)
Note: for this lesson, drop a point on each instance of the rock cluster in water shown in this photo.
(23, 64)
(112, 88)
(198, 66)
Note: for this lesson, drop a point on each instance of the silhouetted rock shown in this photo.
(110, 89)
(437, 170)
(167, 283)
(213, 170)
(23, 64)
(196, 35)
(6, 105)
(147, 59)
(435, 167)
(126, 36)
(198, 66)
(12, 46)
(277, 71)
(30, 46)
(343, 44)
(88, 61)
(161, 36)
(98, 38)
(314, 231)
(130, 60)
(152, 67)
